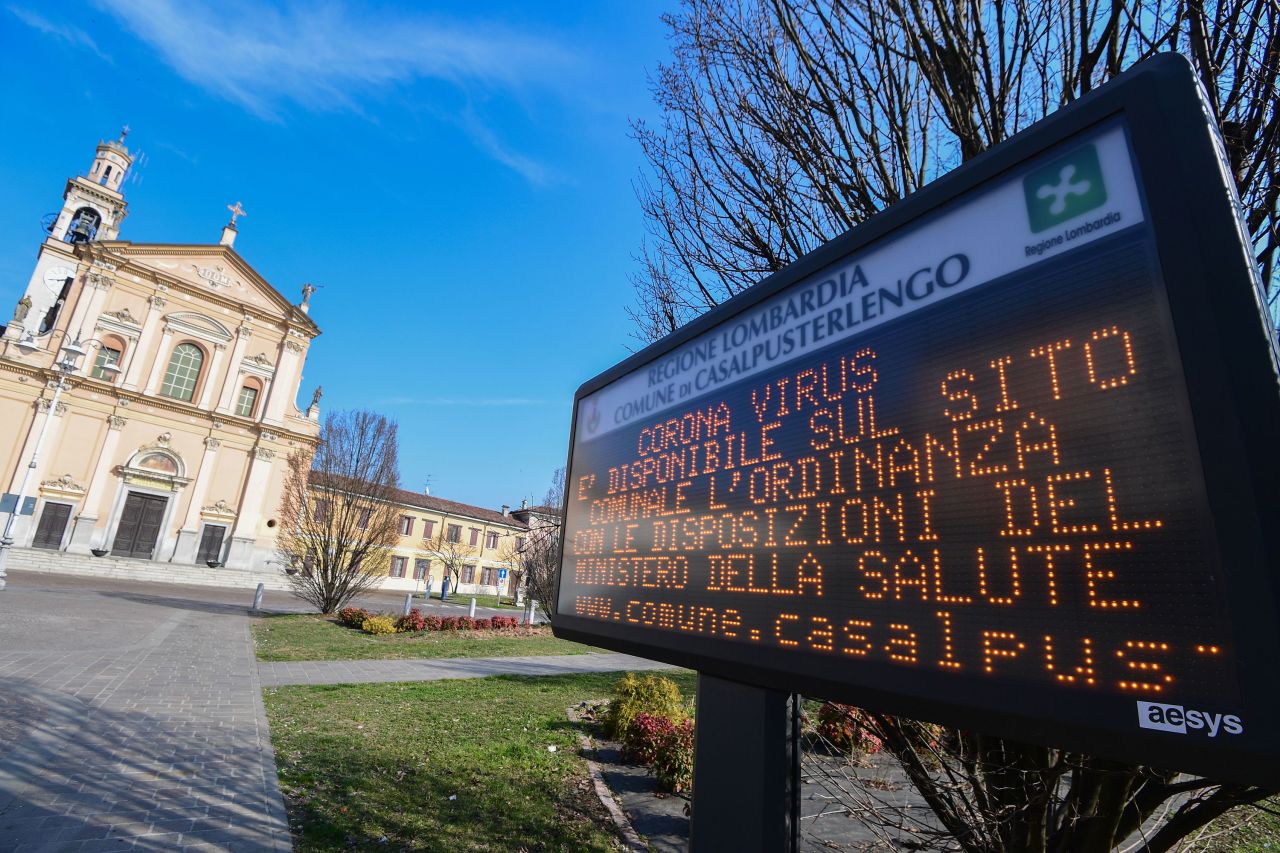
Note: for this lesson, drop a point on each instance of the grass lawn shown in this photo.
(287, 638)
(359, 762)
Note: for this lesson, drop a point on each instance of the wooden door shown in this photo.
(211, 543)
(139, 526)
(53, 523)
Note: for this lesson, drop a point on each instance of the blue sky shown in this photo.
(456, 178)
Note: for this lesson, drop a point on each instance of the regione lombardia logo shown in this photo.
(1066, 188)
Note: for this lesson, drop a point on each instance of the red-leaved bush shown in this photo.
(432, 623)
(412, 621)
(844, 728)
(673, 763)
(643, 738)
(353, 617)
(504, 623)
(482, 624)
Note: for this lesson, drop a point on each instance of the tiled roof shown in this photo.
(441, 505)
(435, 504)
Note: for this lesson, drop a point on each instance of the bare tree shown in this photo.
(339, 506)
(447, 547)
(787, 122)
(539, 560)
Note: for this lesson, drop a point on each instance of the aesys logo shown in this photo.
(1180, 720)
(1066, 188)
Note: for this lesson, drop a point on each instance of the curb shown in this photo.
(634, 842)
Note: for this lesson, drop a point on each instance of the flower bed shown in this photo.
(416, 622)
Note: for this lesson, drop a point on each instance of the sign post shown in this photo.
(1000, 458)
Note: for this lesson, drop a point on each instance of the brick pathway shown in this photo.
(369, 671)
(131, 719)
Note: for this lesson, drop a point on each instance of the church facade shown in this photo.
(176, 370)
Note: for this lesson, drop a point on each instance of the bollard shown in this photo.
(472, 612)
(257, 599)
(408, 603)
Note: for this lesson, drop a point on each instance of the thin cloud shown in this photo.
(73, 36)
(461, 401)
(324, 57)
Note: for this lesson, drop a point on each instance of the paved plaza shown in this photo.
(131, 714)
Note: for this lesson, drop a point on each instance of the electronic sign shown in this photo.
(999, 458)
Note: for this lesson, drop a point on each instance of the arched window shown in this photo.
(247, 399)
(84, 225)
(183, 373)
(109, 355)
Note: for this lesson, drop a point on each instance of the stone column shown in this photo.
(250, 510)
(284, 385)
(206, 395)
(87, 310)
(161, 361)
(232, 380)
(189, 534)
(133, 374)
(22, 525)
(83, 532)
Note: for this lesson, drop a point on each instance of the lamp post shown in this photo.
(64, 366)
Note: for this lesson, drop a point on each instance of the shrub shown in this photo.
(432, 623)
(353, 617)
(412, 621)
(466, 623)
(649, 694)
(644, 737)
(673, 761)
(504, 623)
(844, 727)
(379, 625)
(483, 624)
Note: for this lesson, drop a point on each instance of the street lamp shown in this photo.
(65, 365)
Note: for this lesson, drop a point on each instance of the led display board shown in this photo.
(997, 458)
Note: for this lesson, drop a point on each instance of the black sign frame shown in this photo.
(1227, 359)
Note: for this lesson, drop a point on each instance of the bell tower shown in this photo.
(92, 209)
(93, 206)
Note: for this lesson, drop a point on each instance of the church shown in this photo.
(148, 394)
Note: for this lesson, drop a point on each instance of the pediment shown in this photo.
(217, 270)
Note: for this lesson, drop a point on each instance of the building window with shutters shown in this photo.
(475, 536)
(406, 525)
(491, 541)
(487, 577)
(322, 510)
(468, 574)
(398, 566)
(184, 372)
(421, 568)
(455, 533)
(428, 528)
(365, 514)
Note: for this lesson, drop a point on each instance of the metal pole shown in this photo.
(6, 540)
(746, 780)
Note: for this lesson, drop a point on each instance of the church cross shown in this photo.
(124, 131)
(236, 210)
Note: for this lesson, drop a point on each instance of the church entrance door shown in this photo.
(53, 523)
(139, 526)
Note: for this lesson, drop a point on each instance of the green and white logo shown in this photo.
(1066, 188)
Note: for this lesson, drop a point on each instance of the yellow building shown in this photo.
(176, 370)
(486, 539)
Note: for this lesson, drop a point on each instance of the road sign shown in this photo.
(502, 574)
(999, 458)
